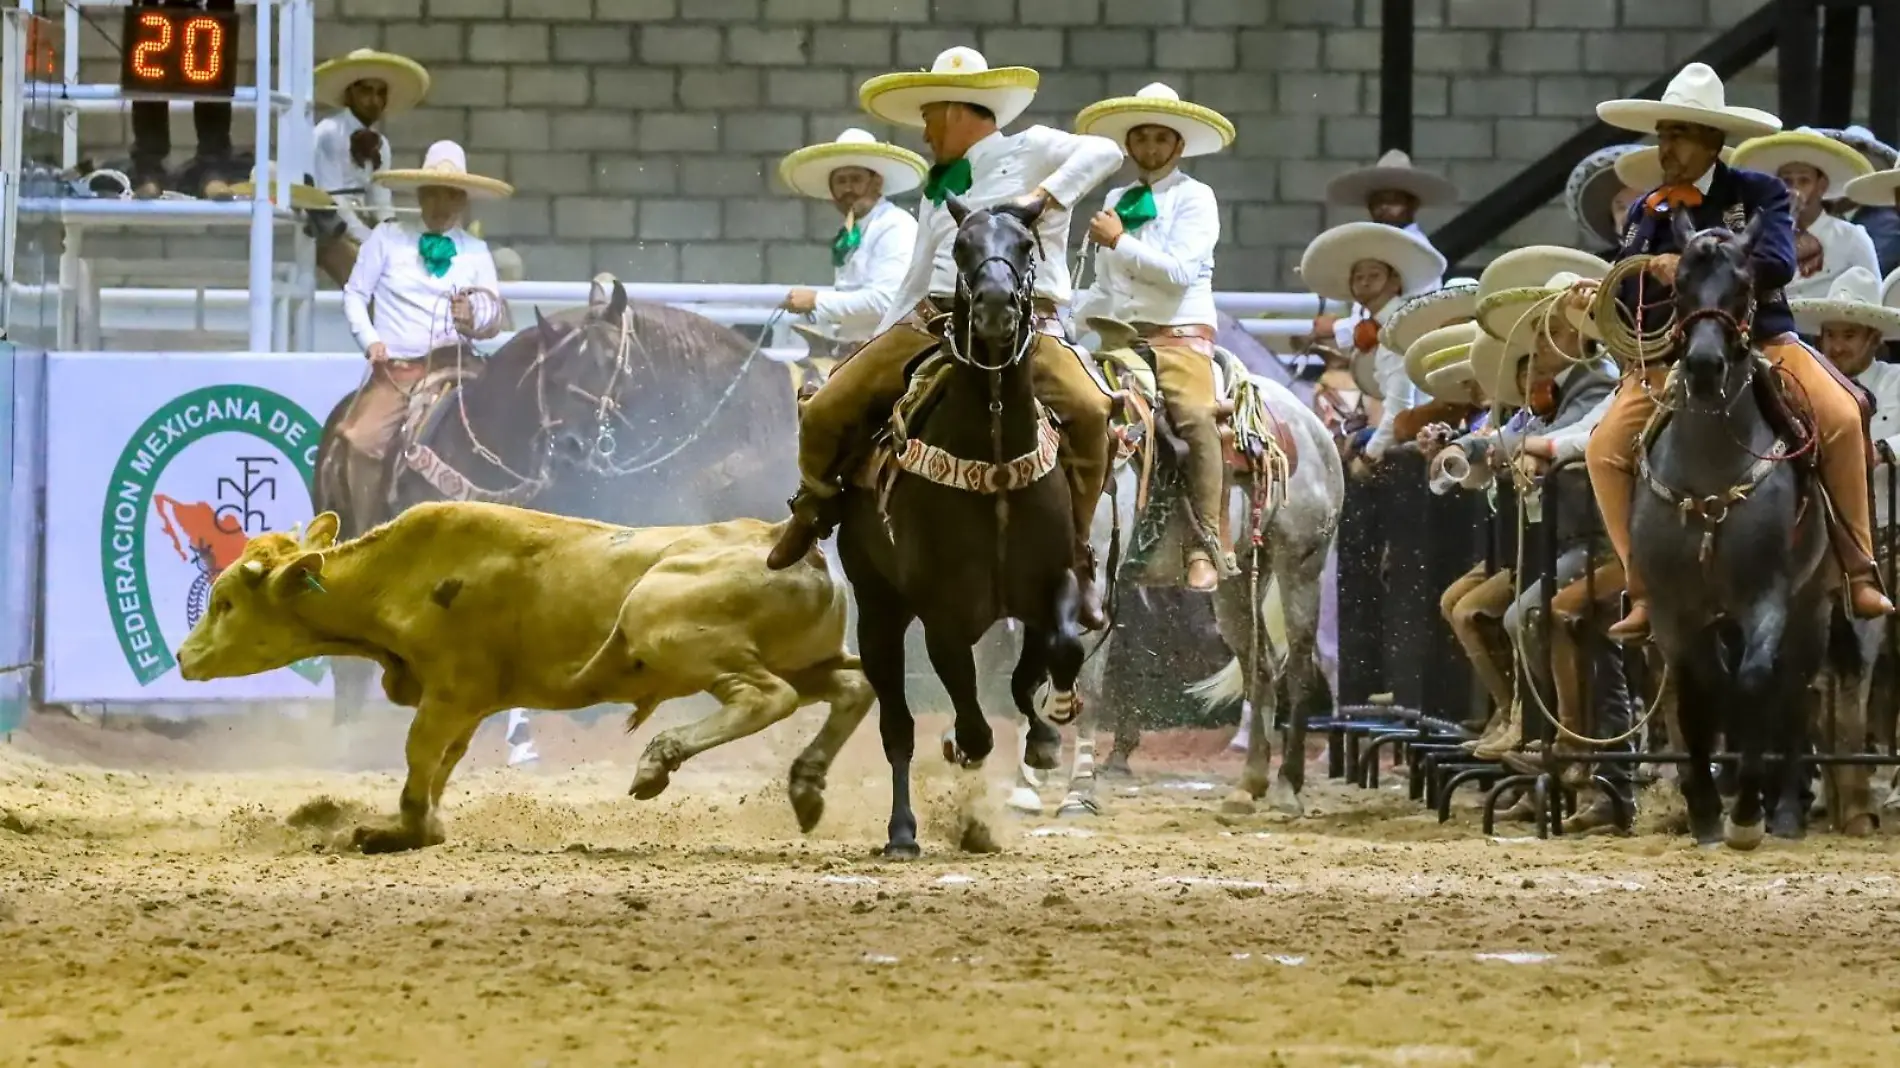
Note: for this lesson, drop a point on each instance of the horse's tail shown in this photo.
(1224, 687)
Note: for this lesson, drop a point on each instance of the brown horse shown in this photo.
(631, 413)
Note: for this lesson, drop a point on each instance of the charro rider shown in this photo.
(1814, 167)
(422, 278)
(1691, 121)
(365, 86)
(1154, 270)
(872, 251)
(961, 103)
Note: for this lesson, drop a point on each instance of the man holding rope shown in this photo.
(1691, 123)
(434, 288)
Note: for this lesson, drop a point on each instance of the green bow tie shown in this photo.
(438, 251)
(947, 180)
(847, 242)
(1136, 207)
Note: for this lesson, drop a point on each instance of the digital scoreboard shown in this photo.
(179, 51)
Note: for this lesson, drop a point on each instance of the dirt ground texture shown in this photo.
(156, 908)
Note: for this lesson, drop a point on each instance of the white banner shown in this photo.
(160, 466)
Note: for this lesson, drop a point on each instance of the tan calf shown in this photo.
(475, 608)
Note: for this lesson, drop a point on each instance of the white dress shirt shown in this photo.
(1004, 167)
(1342, 330)
(1843, 245)
(1400, 393)
(1883, 381)
(864, 289)
(335, 172)
(412, 306)
(1162, 273)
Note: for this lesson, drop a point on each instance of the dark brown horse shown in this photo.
(932, 547)
(631, 413)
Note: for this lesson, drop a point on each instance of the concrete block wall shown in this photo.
(643, 135)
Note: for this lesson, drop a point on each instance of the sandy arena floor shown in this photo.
(172, 918)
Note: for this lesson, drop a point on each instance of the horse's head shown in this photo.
(995, 254)
(578, 357)
(1715, 306)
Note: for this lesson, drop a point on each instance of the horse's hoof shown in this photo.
(977, 838)
(954, 754)
(1284, 799)
(1061, 707)
(1787, 826)
(1861, 826)
(1742, 837)
(1024, 800)
(1076, 806)
(1043, 754)
(1238, 803)
(902, 851)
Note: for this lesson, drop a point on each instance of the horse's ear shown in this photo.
(617, 305)
(958, 210)
(1029, 212)
(546, 329)
(1683, 226)
(1751, 234)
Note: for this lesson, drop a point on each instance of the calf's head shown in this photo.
(252, 624)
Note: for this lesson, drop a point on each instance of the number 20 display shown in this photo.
(178, 52)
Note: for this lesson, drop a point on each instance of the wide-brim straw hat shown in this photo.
(1874, 190)
(960, 75)
(1203, 130)
(446, 165)
(1890, 289)
(1326, 266)
(1642, 169)
(1448, 375)
(1365, 373)
(807, 171)
(408, 81)
(1427, 312)
(1393, 173)
(1853, 298)
(1592, 188)
(1433, 342)
(1494, 369)
(1837, 161)
(1513, 284)
(303, 197)
(1695, 95)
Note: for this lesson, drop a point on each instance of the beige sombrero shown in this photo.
(1327, 263)
(807, 171)
(1393, 172)
(960, 75)
(1448, 375)
(446, 165)
(1592, 188)
(1840, 163)
(1418, 355)
(1427, 312)
(408, 81)
(303, 197)
(1642, 169)
(1695, 95)
(1494, 369)
(1890, 289)
(1853, 298)
(1514, 282)
(1874, 190)
(1204, 130)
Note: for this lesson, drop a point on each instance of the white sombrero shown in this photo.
(1853, 298)
(1890, 289)
(960, 75)
(1874, 190)
(1448, 375)
(1433, 342)
(1694, 95)
(446, 165)
(303, 196)
(1592, 188)
(1394, 172)
(1204, 130)
(1642, 169)
(1840, 163)
(408, 81)
(1327, 263)
(1427, 312)
(808, 170)
(1517, 280)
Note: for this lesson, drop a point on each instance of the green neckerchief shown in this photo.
(947, 180)
(850, 236)
(1136, 207)
(438, 251)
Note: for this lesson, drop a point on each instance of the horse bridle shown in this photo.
(1024, 297)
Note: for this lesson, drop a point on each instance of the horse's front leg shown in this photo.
(969, 741)
(1756, 714)
(1299, 580)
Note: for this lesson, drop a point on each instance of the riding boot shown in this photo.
(1635, 626)
(1202, 575)
(1865, 596)
(812, 519)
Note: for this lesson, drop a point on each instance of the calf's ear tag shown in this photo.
(311, 580)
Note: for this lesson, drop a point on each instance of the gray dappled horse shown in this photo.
(1736, 539)
(1298, 533)
(622, 411)
(970, 523)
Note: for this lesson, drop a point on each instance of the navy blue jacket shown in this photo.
(1735, 197)
(1883, 225)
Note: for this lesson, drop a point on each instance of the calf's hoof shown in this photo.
(1237, 803)
(1284, 799)
(650, 783)
(1860, 826)
(808, 799)
(657, 764)
(1742, 837)
(372, 840)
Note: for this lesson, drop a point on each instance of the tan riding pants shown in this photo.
(865, 387)
(375, 418)
(1186, 378)
(1612, 450)
(1474, 606)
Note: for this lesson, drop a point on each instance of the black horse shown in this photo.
(1738, 528)
(976, 525)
